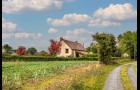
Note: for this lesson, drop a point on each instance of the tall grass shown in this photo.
(126, 83)
(15, 74)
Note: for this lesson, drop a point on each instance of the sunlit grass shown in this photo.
(126, 83)
(135, 68)
(14, 74)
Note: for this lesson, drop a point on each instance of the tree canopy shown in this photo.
(106, 46)
(128, 43)
(7, 48)
(31, 51)
(54, 48)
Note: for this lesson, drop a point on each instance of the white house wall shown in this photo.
(64, 46)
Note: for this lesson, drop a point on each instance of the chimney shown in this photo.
(76, 42)
(83, 44)
(61, 38)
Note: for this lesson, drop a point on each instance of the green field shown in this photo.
(14, 74)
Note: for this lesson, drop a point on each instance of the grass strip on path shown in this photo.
(126, 83)
(135, 68)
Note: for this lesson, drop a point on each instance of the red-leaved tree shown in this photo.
(54, 49)
(21, 50)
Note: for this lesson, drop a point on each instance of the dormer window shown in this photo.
(67, 51)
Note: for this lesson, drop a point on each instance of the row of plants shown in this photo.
(16, 74)
(50, 58)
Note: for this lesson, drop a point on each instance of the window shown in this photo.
(67, 51)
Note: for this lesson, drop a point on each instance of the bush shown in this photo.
(90, 55)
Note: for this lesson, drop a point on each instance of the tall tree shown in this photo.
(31, 51)
(54, 48)
(128, 43)
(106, 45)
(7, 48)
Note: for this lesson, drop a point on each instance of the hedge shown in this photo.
(49, 58)
(42, 58)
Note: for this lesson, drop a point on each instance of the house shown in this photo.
(70, 48)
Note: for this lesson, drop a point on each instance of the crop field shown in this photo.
(14, 74)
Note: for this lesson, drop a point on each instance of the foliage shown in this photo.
(91, 55)
(106, 46)
(42, 53)
(128, 43)
(7, 48)
(54, 49)
(43, 58)
(21, 51)
(31, 51)
(117, 53)
(92, 48)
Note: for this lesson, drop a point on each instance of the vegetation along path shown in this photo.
(113, 81)
(133, 76)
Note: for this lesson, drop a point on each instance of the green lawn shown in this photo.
(15, 73)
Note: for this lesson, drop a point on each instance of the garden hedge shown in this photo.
(49, 58)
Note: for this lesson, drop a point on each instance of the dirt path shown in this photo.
(113, 82)
(133, 76)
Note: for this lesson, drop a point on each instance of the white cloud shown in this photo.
(21, 35)
(52, 30)
(28, 35)
(81, 35)
(69, 19)
(116, 12)
(12, 6)
(7, 35)
(102, 23)
(8, 26)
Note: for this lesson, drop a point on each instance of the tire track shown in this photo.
(113, 82)
(133, 76)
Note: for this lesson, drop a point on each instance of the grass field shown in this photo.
(15, 73)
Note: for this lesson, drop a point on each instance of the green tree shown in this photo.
(31, 51)
(128, 43)
(42, 53)
(106, 45)
(8, 49)
(92, 48)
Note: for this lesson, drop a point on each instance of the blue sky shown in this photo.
(32, 23)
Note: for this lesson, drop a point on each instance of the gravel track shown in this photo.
(113, 81)
(133, 76)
